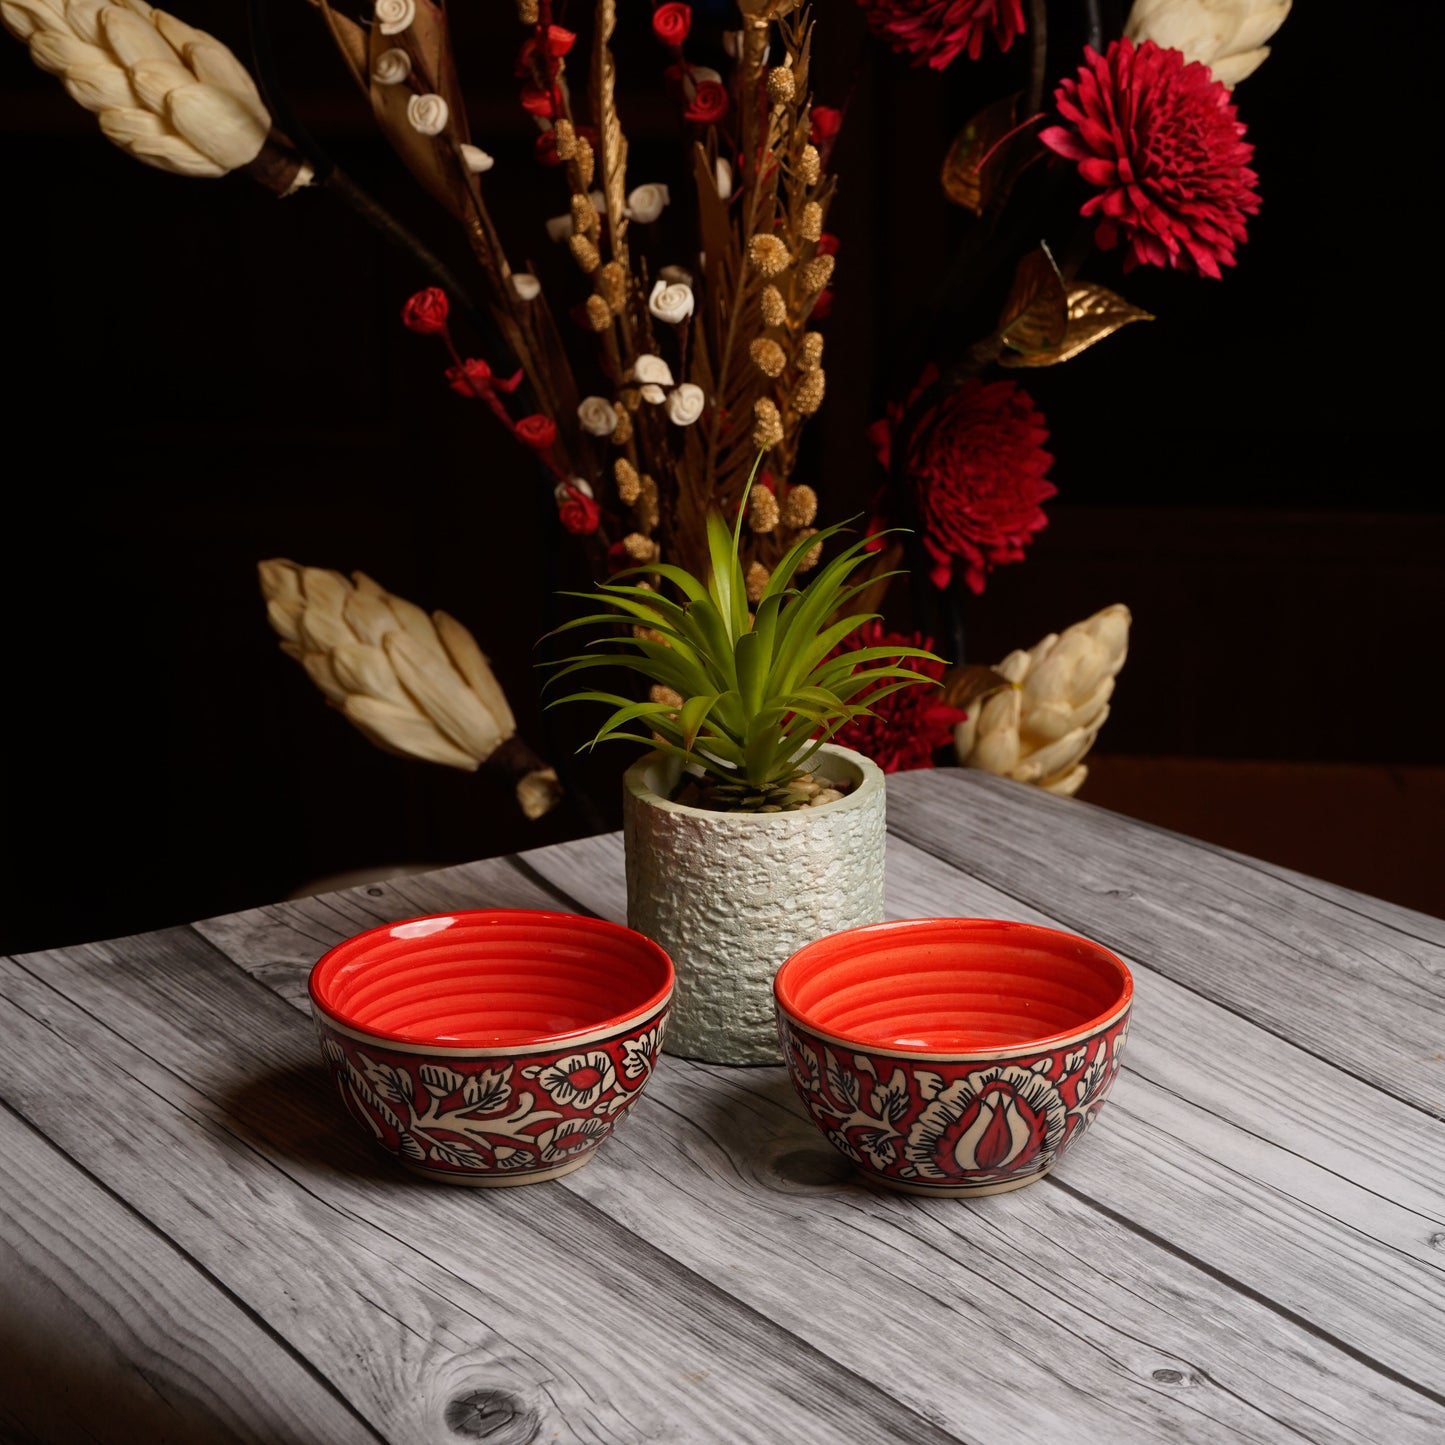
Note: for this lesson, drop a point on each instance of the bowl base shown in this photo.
(496, 1181)
(954, 1191)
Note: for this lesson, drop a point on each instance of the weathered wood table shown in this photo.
(196, 1244)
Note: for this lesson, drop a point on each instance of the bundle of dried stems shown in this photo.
(703, 369)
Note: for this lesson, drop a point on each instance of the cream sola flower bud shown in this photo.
(646, 203)
(598, 416)
(1039, 730)
(414, 685)
(685, 404)
(671, 302)
(168, 94)
(1226, 35)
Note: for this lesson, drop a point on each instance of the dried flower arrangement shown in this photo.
(703, 368)
(1142, 154)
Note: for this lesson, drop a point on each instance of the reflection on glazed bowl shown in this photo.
(492, 1046)
(953, 1056)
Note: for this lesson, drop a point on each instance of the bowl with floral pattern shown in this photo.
(492, 1046)
(953, 1056)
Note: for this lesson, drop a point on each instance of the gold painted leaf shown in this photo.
(1094, 312)
(967, 182)
(1036, 315)
(966, 683)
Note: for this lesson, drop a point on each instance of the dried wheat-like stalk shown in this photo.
(764, 273)
(414, 684)
(169, 95)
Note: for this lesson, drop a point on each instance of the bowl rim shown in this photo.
(1043, 1043)
(596, 1032)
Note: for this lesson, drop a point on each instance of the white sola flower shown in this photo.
(414, 684)
(598, 416)
(685, 404)
(671, 301)
(394, 16)
(1039, 730)
(168, 94)
(1226, 35)
(427, 114)
(647, 203)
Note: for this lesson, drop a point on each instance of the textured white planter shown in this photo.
(731, 895)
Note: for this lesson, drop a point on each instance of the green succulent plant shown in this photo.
(761, 689)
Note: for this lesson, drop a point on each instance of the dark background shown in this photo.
(201, 376)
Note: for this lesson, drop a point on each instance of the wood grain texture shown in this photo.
(1346, 1267)
(194, 1094)
(1221, 1261)
(1362, 995)
(1233, 1146)
(108, 1332)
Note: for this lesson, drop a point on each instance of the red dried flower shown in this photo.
(825, 123)
(936, 32)
(822, 305)
(559, 42)
(475, 378)
(539, 100)
(907, 726)
(426, 312)
(1161, 139)
(978, 468)
(537, 431)
(708, 105)
(580, 513)
(546, 149)
(671, 22)
(826, 245)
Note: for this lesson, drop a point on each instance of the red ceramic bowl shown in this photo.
(492, 1046)
(953, 1055)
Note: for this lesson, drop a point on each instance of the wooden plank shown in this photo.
(281, 941)
(1327, 977)
(195, 1095)
(1062, 1315)
(1341, 1228)
(714, 1170)
(110, 1333)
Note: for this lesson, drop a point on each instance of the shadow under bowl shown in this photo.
(492, 1046)
(953, 1056)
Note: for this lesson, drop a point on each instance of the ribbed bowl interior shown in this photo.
(952, 985)
(489, 977)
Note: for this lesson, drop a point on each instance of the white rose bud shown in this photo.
(598, 416)
(676, 275)
(672, 304)
(646, 203)
(653, 394)
(599, 202)
(392, 67)
(526, 285)
(574, 484)
(723, 175)
(427, 114)
(559, 228)
(652, 368)
(477, 160)
(685, 404)
(394, 16)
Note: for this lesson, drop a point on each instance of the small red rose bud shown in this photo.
(709, 104)
(671, 22)
(537, 431)
(580, 514)
(426, 312)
